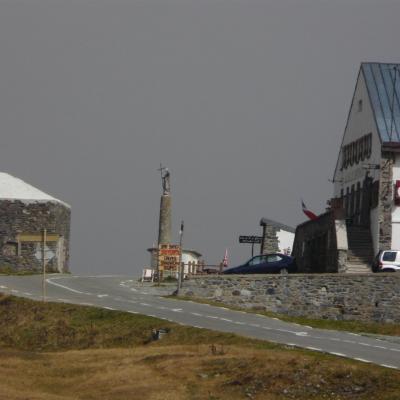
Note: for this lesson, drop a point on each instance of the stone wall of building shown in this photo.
(270, 243)
(386, 200)
(315, 245)
(373, 297)
(21, 228)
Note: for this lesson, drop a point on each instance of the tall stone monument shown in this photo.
(165, 224)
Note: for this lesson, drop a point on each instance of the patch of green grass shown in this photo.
(350, 325)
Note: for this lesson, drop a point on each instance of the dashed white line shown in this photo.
(226, 319)
(196, 314)
(145, 304)
(176, 309)
(28, 294)
(109, 308)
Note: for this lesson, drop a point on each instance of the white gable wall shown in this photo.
(358, 125)
(285, 241)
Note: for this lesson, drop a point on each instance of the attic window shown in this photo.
(360, 105)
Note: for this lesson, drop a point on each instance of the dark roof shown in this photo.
(266, 221)
(381, 79)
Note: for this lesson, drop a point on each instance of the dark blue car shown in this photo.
(266, 264)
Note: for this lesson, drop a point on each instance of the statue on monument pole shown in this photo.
(165, 180)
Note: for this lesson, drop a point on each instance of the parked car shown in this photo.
(387, 261)
(266, 264)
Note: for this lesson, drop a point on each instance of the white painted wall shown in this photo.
(374, 226)
(285, 240)
(358, 125)
(396, 209)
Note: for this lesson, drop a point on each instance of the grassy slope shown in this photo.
(116, 360)
(350, 326)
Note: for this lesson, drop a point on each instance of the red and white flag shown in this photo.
(306, 211)
(225, 260)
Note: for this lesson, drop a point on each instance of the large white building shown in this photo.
(368, 166)
(365, 209)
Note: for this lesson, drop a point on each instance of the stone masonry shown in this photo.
(385, 201)
(373, 297)
(19, 219)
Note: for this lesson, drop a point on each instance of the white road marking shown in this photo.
(300, 333)
(380, 347)
(28, 294)
(109, 308)
(362, 360)
(392, 349)
(64, 287)
(3, 287)
(176, 309)
(133, 312)
(226, 319)
(239, 323)
(14, 291)
(389, 366)
(255, 325)
(145, 304)
(313, 348)
(87, 304)
(337, 354)
(63, 300)
(102, 295)
(196, 314)
(211, 316)
(365, 344)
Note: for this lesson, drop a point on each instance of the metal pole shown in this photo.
(181, 270)
(252, 250)
(44, 264)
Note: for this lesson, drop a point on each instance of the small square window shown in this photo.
(360, 105)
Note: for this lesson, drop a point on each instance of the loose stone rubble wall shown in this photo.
(372, 297)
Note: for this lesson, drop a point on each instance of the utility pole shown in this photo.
(44, 264)
(180, 266)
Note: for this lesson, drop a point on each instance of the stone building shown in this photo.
(25, 214)
(366, 198)
(276, 237)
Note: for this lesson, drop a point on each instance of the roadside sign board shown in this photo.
(250, 239)
(168, 257)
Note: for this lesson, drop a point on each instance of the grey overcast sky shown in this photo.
(245, 101)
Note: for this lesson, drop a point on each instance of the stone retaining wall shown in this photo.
(372, 297)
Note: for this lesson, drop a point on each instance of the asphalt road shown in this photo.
(124, 293)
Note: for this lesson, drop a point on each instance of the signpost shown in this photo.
(251, 240)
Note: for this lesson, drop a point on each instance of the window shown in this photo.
(360, 105)
(256, 260)
(273, 258)
(389, 256)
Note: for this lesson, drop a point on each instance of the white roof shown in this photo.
(12, 188)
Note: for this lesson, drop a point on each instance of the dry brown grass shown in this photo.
(190, 373)
(60, 351)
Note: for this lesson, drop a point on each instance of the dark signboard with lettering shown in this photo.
(250, 239)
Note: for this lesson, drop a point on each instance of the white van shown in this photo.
(387, 261)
